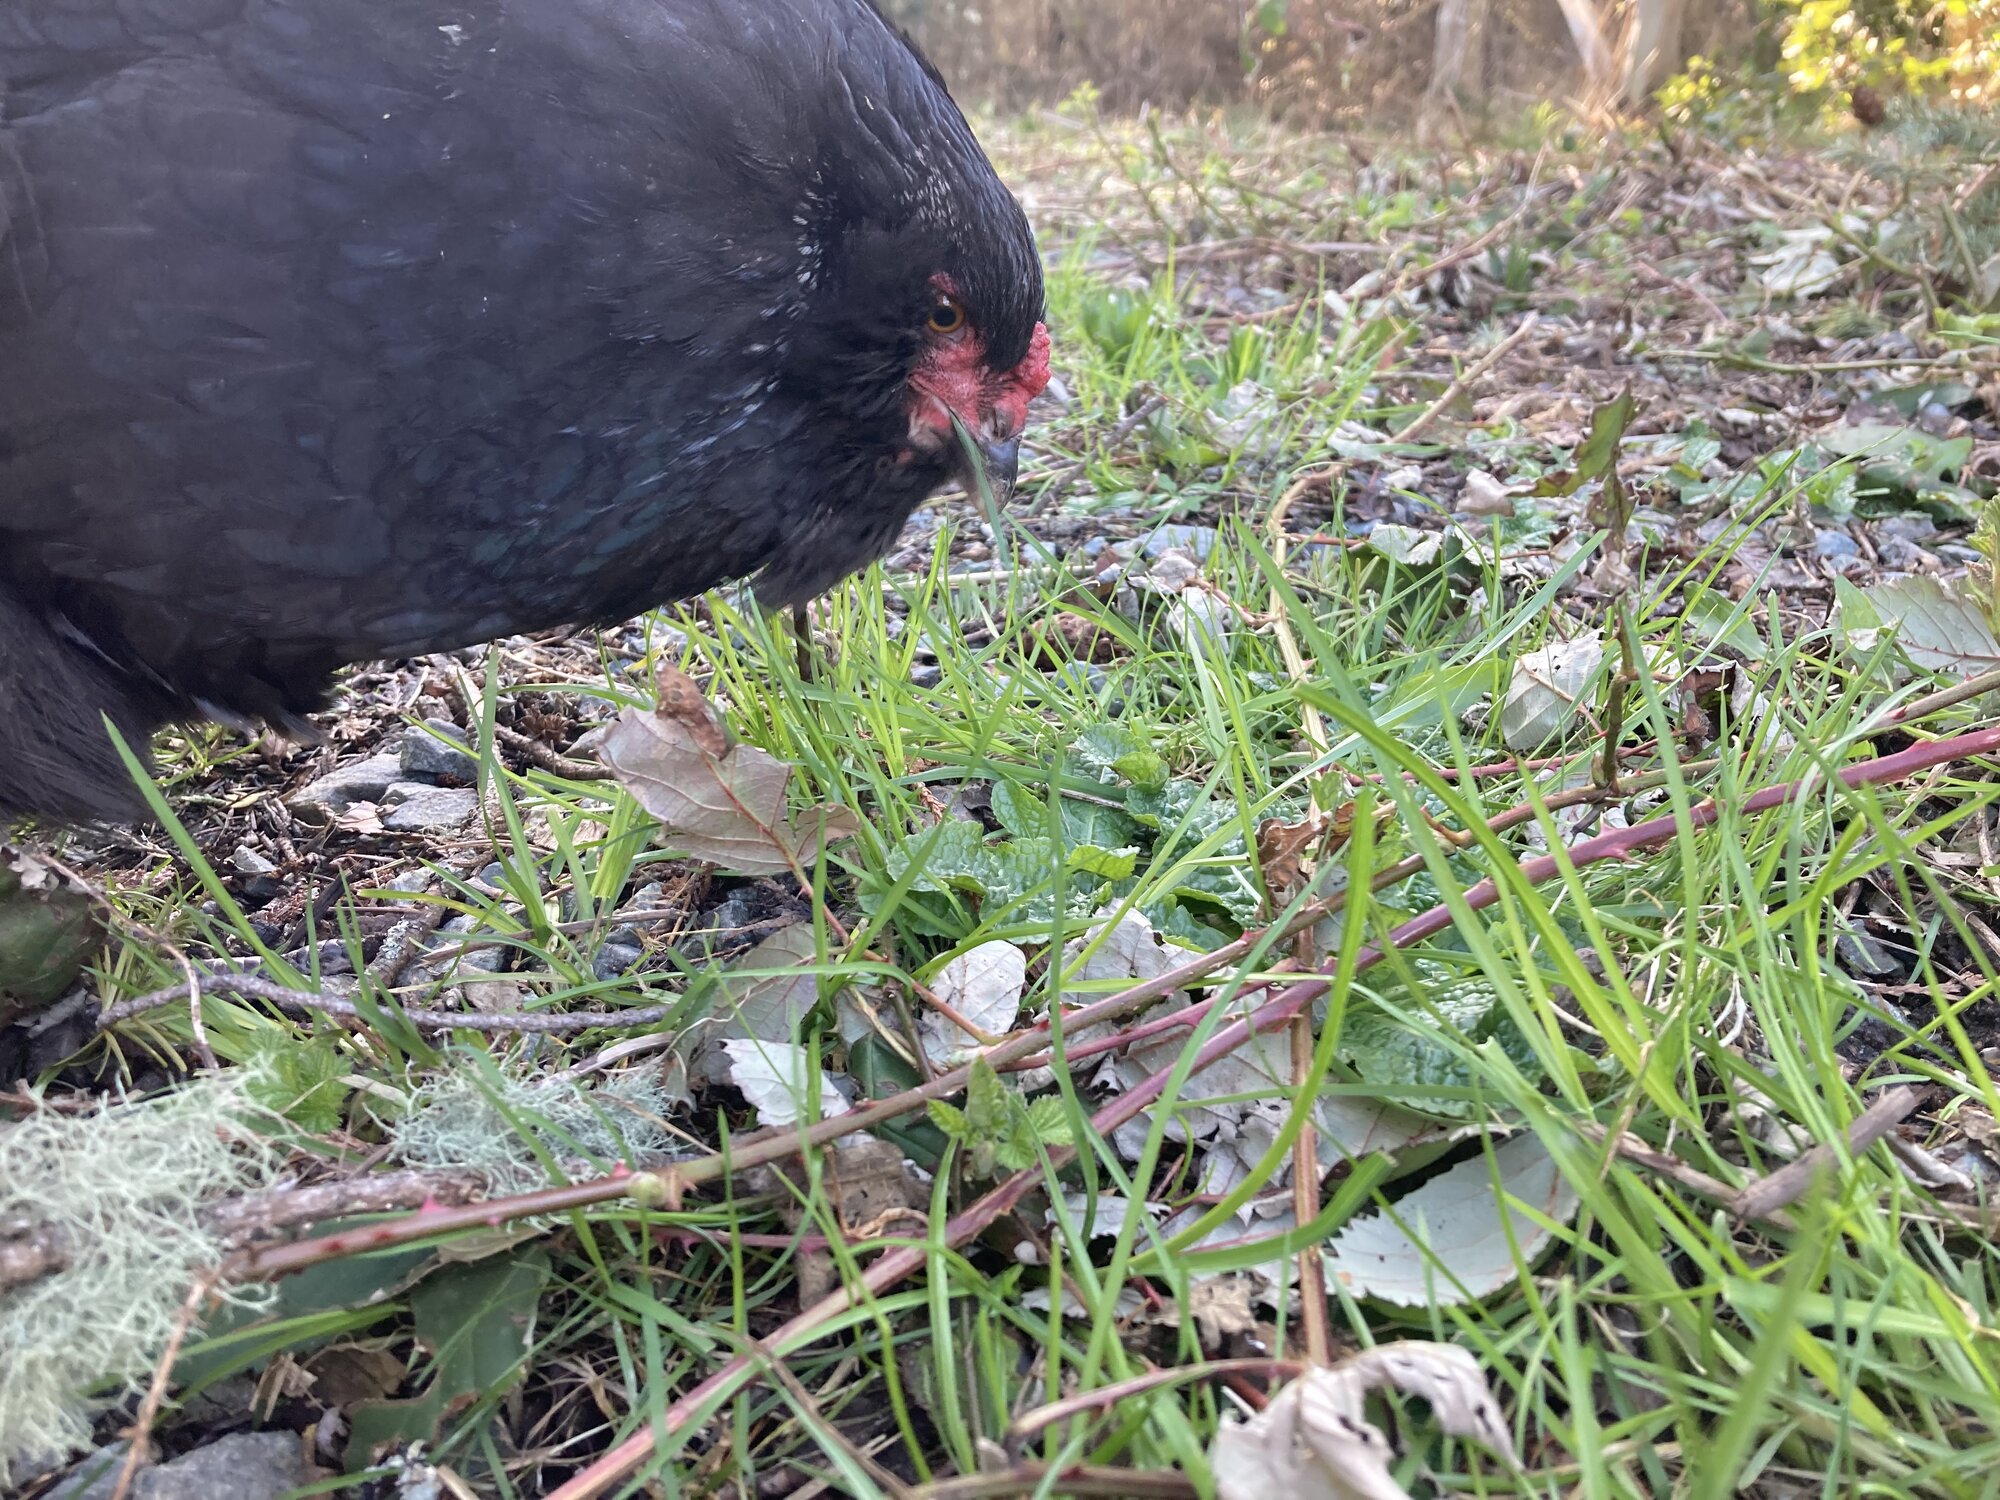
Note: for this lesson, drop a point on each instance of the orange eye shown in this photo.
(948, 316)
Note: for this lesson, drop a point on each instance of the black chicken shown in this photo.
(343, 329)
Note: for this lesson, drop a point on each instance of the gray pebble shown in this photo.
(1198, 541)
(615, 960)
(413, 807)
(330, 796)
(427, 757)
(243, 1466)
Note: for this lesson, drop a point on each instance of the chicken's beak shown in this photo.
(1003, 462)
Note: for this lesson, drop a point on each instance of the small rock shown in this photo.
(1935, 418)
(260, 884)
(926, 675)
(1196, 541)
(243, 1466)
(1900, 555)
(615, 960)
(330, 796)
(1911, 526)
(1408, 477)
(1830, 543)
(435, 751)
(413, 807)
(646, 898)
(1174, 571)
(1858, 953)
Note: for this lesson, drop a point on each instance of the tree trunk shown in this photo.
(1458, 53)
(1652, 48)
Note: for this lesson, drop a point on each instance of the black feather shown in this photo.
(334, 329)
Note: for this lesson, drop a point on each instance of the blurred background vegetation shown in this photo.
(1455, 64)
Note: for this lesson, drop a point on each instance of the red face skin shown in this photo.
(953, 380)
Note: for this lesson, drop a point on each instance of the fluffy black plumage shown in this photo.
(341, 329)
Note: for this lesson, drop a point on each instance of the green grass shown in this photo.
(1686, 1000)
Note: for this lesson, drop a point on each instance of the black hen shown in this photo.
(342, 329)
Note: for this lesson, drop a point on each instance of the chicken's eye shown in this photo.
(947, 316)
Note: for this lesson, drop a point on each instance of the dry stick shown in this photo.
(1943, 698)
(1764, 1197)
(156, 1391)
(301, 1002)
(1664, 1164)
(535, 753)
(1305, 1150)
(1105, 1397)
(1417, 425)
(895, 1265)
(1062, 477)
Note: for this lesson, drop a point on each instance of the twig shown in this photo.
(1415, 427)
(1778, 367)
(1930, 703)
(140, 1433)
(1765, 1196)
(1077, 1479)
(1065, 475)
(1661, 1164)
(547, 757)
(1105, 1397)
(238, 1220)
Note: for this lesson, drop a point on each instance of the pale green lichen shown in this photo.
(122, 1189)
(508, 1128)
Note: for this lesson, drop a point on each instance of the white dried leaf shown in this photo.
(1451, 1241)
(1485, 496)
(982, 984)
(1801, 265)
(1202, 621)
(773, 1077)
(1543, 692)
(1314, 1441)
(1410, 545)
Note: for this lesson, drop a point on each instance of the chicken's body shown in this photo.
(341, 329)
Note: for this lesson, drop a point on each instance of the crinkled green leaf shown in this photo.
(1048, 1117)
(1401, 1042)
(1164, 806)
(1105, 864)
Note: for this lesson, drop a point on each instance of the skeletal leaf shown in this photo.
(1314, 1441)
(767, 995)
(983, 985)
